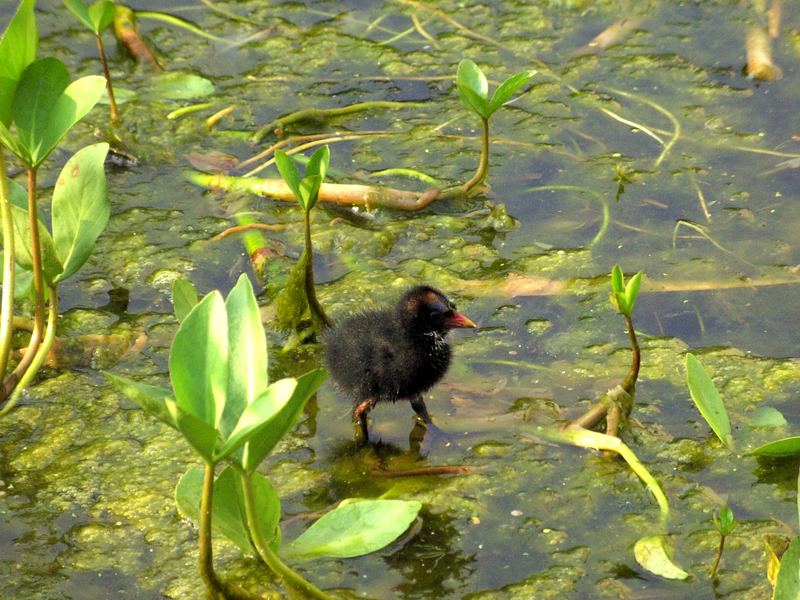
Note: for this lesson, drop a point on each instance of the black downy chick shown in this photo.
(393, 354)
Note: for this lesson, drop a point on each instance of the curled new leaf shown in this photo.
(508, 88)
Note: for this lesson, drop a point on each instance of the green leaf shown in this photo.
(228, 514)
(201, 436)
(309, 191)
(9, 140)
(787, 584)
(284, 420)
(632, 292)
(101, 14)
(17, 50)
(289, 171)
(784, 447)
(23, 280)
(258, 415)
(247, 347)
(319, 162)
(617, 280)
(475, 103)
(508, 88)
(354, 529)
(152, 399)
(22, 249)
(179, 86)
(184, 298)
(198, 361)
(78, 8)
(41, 85)
(80, 207)
(46, 106)
(470, 76)
(651, 553)
(726, 522)
(708, 401)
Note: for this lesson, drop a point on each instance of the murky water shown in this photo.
(86, 509)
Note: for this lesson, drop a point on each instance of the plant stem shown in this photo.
(272, 560)
(111, 100)
(41, 353)
(317, 312)
(719, 556)
(10, 382)
(483, 166)
(213, 584)
(630, 382)
(7, 310)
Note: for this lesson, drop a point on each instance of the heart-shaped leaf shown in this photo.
(508, 88)
(17, 50)
(184, 298)
(354, 528)
(80, 207)
(707, 398)
(247, 344)
(228, 514)
(198, 361)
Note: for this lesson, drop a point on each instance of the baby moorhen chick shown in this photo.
(393, 354)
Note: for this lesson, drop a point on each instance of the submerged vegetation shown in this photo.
(637, 143)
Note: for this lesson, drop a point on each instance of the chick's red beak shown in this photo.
(457, 320)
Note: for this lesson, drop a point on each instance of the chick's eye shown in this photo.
(438, 307)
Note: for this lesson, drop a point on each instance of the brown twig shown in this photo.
(433, 470)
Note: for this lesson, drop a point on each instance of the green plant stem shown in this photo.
(636, 359)
(11, 382)
(213, 584)
(41, 352)
(7, 307)
(720, 548)
(317, 312)
(483, 166)
(272, 560)
(112, 102)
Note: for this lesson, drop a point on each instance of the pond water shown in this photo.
(696, 166)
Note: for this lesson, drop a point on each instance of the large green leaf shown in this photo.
(51, 266)
(508, 88)
(247, 348)
(198, 361)
(354, 528)
(228, 514)
(17, 50)
(284, 420)
(783, 447)
(184, 298)
(154, 400)
(204, 438)
(787, 584)
(80, 207)
(46, 106)
(707, 398)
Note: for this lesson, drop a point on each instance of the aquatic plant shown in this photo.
(707, 399)
(98, 17)
(473, 89)
(38, 106)
(299, 296)
(725, 523)
(226, 409)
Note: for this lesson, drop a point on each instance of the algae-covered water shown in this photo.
(656, 153)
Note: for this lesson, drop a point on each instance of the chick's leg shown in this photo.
(418, 404)
(360, 413)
